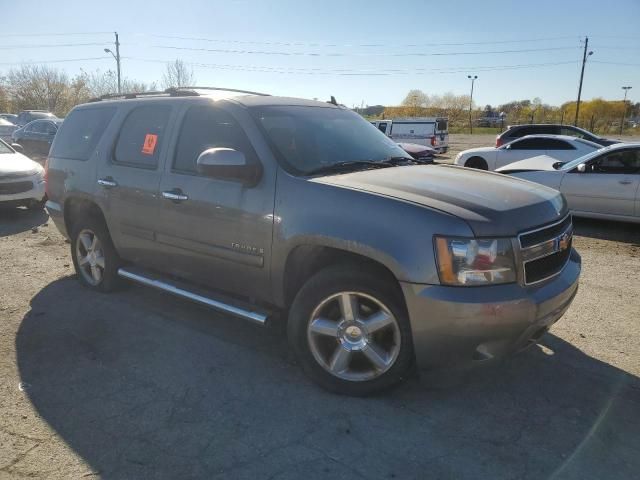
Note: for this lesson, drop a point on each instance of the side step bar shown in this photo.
(174, 288)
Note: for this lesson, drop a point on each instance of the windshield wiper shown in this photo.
(347, 166)
(405, 160)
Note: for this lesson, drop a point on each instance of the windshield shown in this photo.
(308, 138)
(574, 163)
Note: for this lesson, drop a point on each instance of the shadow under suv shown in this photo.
(253, 204)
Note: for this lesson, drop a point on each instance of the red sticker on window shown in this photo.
(149, 146)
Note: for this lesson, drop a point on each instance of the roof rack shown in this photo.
(172, 92)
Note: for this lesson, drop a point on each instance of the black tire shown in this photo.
(477, 163)
(109, 278)
(351, 278)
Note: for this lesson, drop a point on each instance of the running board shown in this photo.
(181, 290)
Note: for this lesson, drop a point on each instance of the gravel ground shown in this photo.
(137, 384)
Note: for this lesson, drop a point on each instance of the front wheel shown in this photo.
(478, 163)
(351, 332)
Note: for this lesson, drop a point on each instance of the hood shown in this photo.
(541, 162)
(492, 204)
(17, 164)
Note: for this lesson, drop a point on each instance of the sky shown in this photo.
(362, 52)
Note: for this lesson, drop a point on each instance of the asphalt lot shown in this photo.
(137, 384)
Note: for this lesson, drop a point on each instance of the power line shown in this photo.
(333, 45)
(40, 34)
(355, 72)
(376, 54)
(43, 62)
(52, 45)
(617, 63)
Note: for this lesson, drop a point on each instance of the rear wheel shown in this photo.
(94, 257)
(477, 162)
(351, 332)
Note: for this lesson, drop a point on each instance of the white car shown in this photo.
(6, 129)
(22, 181)
(602, 184)
(560, 147)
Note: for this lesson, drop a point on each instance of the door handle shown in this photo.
(107, 182)
(175, 195)
(625, 182)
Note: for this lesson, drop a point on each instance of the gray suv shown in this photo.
(258, 205)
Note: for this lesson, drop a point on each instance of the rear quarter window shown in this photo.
(81, 131)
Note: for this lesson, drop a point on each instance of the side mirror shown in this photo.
(228, 164)
(17, 147)
(581, 168)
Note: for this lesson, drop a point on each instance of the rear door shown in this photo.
(219, 232)
(441, 133)
(608, 186)
(129, 178)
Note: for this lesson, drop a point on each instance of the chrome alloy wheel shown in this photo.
(354, 336)
(90, 257)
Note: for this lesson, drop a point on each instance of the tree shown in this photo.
(178, 74)
(100, 83)
(415, 100)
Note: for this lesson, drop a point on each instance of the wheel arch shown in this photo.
(76, 207)
(305, 260)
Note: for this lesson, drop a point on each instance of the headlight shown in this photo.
(470, 261)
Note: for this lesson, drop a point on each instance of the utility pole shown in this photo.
(118, 62)
(584, 61)
(473, 80)
(116, 56)
(624, 108)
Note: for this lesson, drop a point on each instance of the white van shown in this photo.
(430, 131)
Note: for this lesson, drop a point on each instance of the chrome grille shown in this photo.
(15, 187)
(546, 250)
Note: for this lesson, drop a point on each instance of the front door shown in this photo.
(216, 232)
(128, 181)
(608, 185)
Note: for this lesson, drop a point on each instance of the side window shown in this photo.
(80, 132)
(553, 144)
(141, 136)
(572, 132)
(382, 127)
(207, 127)
(38, 127)
(620, 162)
(529, 144)
(50, 128)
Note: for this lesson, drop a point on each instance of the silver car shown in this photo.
(6, 129)
(22, 181)
(602, 184)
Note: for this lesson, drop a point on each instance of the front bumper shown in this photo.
(462, 326)
(37, 192)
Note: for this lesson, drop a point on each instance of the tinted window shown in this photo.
(553, 144)
(50, 128)
(80, 133)
(141, 136)
(441, 125)
(207, 127)
(38, 127)
(382, 127)
(529, 144)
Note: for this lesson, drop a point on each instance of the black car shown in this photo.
(36, 137)
(27, 116)
(516, 131)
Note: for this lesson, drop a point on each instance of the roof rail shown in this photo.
(172, 92)
(222, 89)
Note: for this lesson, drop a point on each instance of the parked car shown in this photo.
(429, 131)
(419, 152)
(6, 129)
(601, 184)
(36, 137)
(27, 116)
(560, 147)
(517, 131)
(254, 205)
(11, 117)
(22, 181)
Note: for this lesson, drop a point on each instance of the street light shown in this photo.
(624, 107)
(473, 80)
